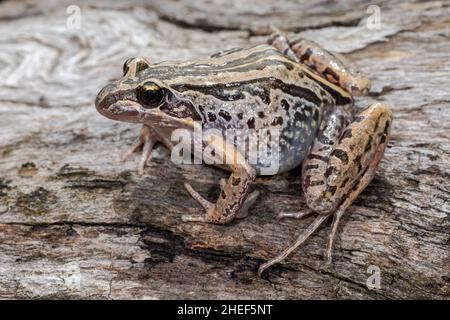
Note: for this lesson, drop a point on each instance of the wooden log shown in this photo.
(75, 222)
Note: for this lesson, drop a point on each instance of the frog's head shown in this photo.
(140, 98)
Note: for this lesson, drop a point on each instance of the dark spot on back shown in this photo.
(211, 116)
(316, 115)
(240, 115)
(224, 114)
(285, 105)
(261, 114)
(300, 116)
(251, 123)
(277, 121)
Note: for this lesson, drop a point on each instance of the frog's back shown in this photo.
(212, 69)
(255, 92)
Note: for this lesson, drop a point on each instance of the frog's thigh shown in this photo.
(330, 66)
(331, 179)
(232, 198)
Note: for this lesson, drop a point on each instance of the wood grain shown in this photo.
(77, 223)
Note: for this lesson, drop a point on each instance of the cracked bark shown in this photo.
(77, 223)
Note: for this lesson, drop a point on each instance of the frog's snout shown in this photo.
(113, 106)
(103, 99)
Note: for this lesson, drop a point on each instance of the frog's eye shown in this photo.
(151, 95)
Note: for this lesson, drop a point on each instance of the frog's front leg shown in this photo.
(233, 201)
(147, 139)
(328, 65)
(340, 165)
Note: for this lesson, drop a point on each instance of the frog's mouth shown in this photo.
(122, 110)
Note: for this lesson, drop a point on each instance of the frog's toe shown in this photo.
(295, 215)
(146, 154)
(204, 203)
(208, 206)
(134, 147)
(147, 139)
(300, 240)
(194, 218)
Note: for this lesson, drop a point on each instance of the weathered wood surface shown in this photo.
(77, 223)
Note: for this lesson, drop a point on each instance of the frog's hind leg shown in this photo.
(300, 240)
(146, 140)
(340, 165)
(332, 180)
(330, 131)
(328, 65)
(379, 114)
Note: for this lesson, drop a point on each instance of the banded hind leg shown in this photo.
(341, 163)
(330, 66)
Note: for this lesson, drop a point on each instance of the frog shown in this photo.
(288, 84)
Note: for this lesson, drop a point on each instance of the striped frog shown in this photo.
(295, 87)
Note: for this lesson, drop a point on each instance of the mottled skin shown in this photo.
(295, 87)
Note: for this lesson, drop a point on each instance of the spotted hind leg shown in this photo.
(330, 66)
(340, 165)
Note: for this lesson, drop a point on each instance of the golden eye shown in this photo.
(151, 95)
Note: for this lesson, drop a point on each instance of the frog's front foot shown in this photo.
(295, 215)
(146, 140)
